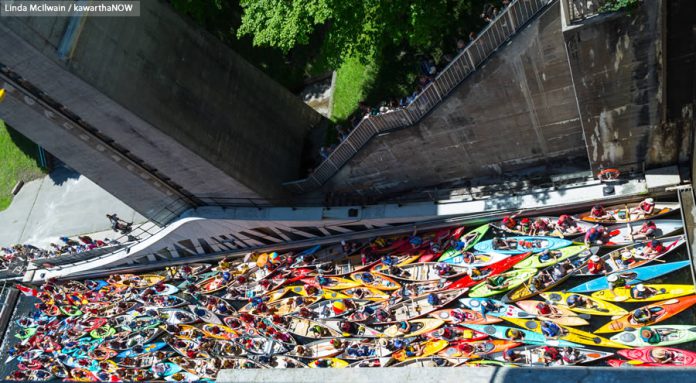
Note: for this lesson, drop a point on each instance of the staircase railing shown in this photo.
(508, 22)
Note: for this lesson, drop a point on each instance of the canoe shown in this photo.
(182, 376)
(613, 263)
(136, 281)
(513, 279)
(147, 348)
(375, 280)
(420, 272)
(333, 283)
(216, 304)
(162, 289)
(282, 361)
(533, 356)
(670, 334)
(429, 361)
(488, 271)
(140, 323)
(176, 316)
(548, 278)
(469, 240)
(204, 368)
(409, 309)
(239, 363)
(594, 307)
(528, 337)
(325, 348)
(359, 330)
(634, 276)
(661, 311)
(559, 314)
(359, 348)
(571, 334)
(476, 349)
(622, 294)
(371, 363)
(619, 214)
(181, 345)
(480, 259)
(204, 314)
(328, 362)
(283, 306)
(416, 327)
(524, 244)
(501, 309)
(457, 333)
(214, 284)
(306, 328)
(557, 256)
(488, 363)
(164, 301)
(227, 349)
(223, 332)
(361, 292)
(647, 355)
(464, 316)
(163, 369)
(621, 234)
(430, 347)
(334, 308)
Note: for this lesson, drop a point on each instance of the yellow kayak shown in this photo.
(328, 363)
(428, 348)
(417, 327)
(360, 292)
(661, 292)
(223, 332)
(571, 334)
(593, 306)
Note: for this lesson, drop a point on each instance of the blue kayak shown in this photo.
(633, 276)
(530, 337)
(524, 244)
(309, 251)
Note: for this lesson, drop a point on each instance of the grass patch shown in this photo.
(353, 82)
(18, 161)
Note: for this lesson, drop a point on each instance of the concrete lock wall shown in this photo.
(171, 94)
(516, 112)
(618, 66)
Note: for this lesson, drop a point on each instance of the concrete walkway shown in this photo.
(63, 203)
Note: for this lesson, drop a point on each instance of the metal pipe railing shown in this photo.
(510, 20)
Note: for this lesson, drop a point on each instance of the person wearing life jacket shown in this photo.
(514, 334)
(497, 282)
(595, 235)
(627, 259)
(645, 231)
(653, 249)
(596, 265)
(640, 291)
(551, 354)
(662, 355)
(642, 315)
(646, 207)
(616, 280)
(550, 329)
(500, 244)
(571, 355)
(512, 356)
(598, 212)
(525, 225)
(566, 224)
(509, 222)
(468, 257)
(544, 308)
(540, 227)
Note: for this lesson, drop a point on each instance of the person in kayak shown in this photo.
(645, 208)
(645, 315)
(596, 235)
(570, 355)
(640, 291)
(468, 258)
(544, 308)
(502, 244)
(404, 327)
(616, 280)
(512, 356)
(548, 255)
(578, 301)
(627, 259)
(509, 222)
(645, 231)
(497, 282)
(489, 306)
(653, 248)
(514, 334)
(551, 354)
(566, 224)
(654, 336)
(525, 225)
(596, 265)
(662, 356)
(598, 212)
(551, 329)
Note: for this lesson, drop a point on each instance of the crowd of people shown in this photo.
(428, 70)
(17, 255)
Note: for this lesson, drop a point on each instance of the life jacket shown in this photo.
(646, 207)
(597, 212)
(647, 226)
(595, 267)
(544, 309)
(659, 248)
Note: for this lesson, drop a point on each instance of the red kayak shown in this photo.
(651, 356)
(494, 269)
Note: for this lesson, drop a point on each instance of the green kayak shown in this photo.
(510, 280)
(75, 311)
(26, 333)
(556, 257)
(102, 332)
(469, 239)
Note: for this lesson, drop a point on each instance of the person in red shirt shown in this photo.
(509, 222)
(543, 308)
(599, 212)
(646, 207)
(647, 230)
(653, 248)
(596, 265)
(540, 227)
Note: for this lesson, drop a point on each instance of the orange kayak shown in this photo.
(475, 349)
(660, 311)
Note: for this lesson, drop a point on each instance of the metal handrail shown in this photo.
(510, 20)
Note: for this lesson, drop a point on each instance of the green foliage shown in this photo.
(353, 81)
(618, 5)
(18, 157)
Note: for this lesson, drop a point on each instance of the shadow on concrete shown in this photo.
(62, 174)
